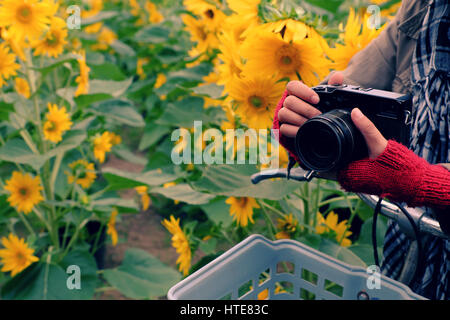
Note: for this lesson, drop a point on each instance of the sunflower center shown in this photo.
(209, 13)
(51, 126)
(21, 259)
(52, 40)
(23, 191)
(243, 202)
(286, 57)
(24, 13)
(202, 33)
(256, 101)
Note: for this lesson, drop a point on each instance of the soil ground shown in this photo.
(143, 230)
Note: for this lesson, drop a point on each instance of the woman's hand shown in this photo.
(298, 108)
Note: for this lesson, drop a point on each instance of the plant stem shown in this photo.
(26, 223)
(56, 166)
(263, 203)
(75, 235)
(269, 221)
(325, 202)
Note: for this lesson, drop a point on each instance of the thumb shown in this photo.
(336, 78)
(375, 141)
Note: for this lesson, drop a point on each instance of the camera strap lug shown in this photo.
(408, 118)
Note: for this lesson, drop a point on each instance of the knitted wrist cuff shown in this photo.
(395, 174)
(287, 143)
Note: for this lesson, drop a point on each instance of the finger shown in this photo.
(300, 107)
(287, 116)
(375, 141)
(302, 91)
(336, 78)
(288, 130)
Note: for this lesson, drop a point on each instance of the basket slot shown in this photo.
(307, 295)
(285, 267)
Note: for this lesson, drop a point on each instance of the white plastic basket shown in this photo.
(283, 270)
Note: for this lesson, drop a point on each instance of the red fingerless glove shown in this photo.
(400, 175)
(287, 143)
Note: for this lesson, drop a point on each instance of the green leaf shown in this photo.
(183, 113)
(218, 212)
(142, 276)
(5, 109)
(121, 111)
(122, 48)
(341, 253)
(125, 153)
(114, 88)
(365, 236)
(71, 140)
(102, 15)
(152, 34)
(209, 246)
(17, 151)
(365, 252)
(235, 180)
(329, 5)
(152, 135)
(88, 268)
(184, 193)
(107, 71)
(119, 180)
(86, 100)
(40, 281)
(211, 90)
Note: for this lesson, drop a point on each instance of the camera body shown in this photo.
(330, 141)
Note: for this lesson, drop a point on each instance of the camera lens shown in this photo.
(329, 141)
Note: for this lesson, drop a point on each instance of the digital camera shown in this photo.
(330, 141)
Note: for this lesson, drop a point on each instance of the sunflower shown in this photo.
(102, 144)
(58, 122)
(111, 227)
(25, 191)
(270, 53)
(145, 198)
(26, 18)
(82, 173)
(140, 67)
(256, 97)
(288, 227)
(160, 80)
(180, 242)
(53, 41)
(16, 255)
(8, 65)
(330, 225)
(246, 9)
(232, 65)
(154, 15)
(22, 87)
(208, 10)
(198, 29)
(357, 36)
(242, 209)
(104, 39)
(83, 78)
(115, 138)
(135, 8)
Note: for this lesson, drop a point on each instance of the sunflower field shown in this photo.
(160, 84)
